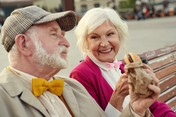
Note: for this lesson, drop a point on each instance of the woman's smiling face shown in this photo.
(104, 42)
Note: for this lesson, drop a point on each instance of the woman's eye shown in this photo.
(110, 34)
(94, 37)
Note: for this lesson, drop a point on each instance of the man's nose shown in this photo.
(65, 42)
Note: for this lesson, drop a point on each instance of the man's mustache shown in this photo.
(62, 48)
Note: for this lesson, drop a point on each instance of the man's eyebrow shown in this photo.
(63, 33)
(54, 29)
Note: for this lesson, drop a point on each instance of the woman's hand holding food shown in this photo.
(139, 104)
(120, 92)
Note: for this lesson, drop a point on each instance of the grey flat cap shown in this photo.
(22, 19)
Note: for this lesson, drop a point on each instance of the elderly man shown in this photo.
(38, 50)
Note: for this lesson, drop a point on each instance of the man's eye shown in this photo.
(54, 34)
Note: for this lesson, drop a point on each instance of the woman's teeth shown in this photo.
(106, 50)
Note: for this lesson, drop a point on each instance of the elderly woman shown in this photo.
(101, 32)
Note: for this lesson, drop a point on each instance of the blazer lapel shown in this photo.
(15, 87)
(71, 100)
(30, 99)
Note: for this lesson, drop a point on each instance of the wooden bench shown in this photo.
(163, 62)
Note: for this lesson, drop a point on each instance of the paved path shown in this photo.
(145, 35)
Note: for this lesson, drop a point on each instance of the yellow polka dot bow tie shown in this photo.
(39, 86)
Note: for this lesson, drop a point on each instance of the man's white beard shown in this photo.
(53, 60)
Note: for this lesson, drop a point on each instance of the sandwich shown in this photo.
(138, 79)
(131, 57)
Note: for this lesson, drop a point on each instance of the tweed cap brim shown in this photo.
(22, 19)
(66, 20)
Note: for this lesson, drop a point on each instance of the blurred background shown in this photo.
(152, 23)
(128, 9)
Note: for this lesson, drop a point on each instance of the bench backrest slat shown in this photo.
(167, 83)
(164, 72)
(158, 63)
(163, 62)
(168, 94)
(159, 52)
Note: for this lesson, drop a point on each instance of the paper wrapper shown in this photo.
(138, 79)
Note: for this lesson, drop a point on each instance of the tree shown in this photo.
(127, 4)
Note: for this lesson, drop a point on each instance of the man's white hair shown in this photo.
(94, 18)
(14, 52)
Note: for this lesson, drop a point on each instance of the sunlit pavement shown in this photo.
(145, 35)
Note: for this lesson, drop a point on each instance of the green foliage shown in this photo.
(127, 4)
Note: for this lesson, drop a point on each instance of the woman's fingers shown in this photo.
(149, 71)
(123, 79)
(125, 88)
(122, 86)
(155, 89)
(156, 80)
(153, 76)
(146, 66)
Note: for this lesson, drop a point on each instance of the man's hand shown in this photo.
(138, 104)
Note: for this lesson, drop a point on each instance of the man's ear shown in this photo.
(23, 44)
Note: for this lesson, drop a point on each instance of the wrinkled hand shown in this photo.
(120, 92)
(139, 105)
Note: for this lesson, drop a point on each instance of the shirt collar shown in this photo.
(24, 75)
(100, 64)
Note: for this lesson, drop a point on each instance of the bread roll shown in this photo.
(131, 57)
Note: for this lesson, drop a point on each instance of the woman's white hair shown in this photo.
(94, 18)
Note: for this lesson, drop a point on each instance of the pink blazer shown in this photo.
(89, 75)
